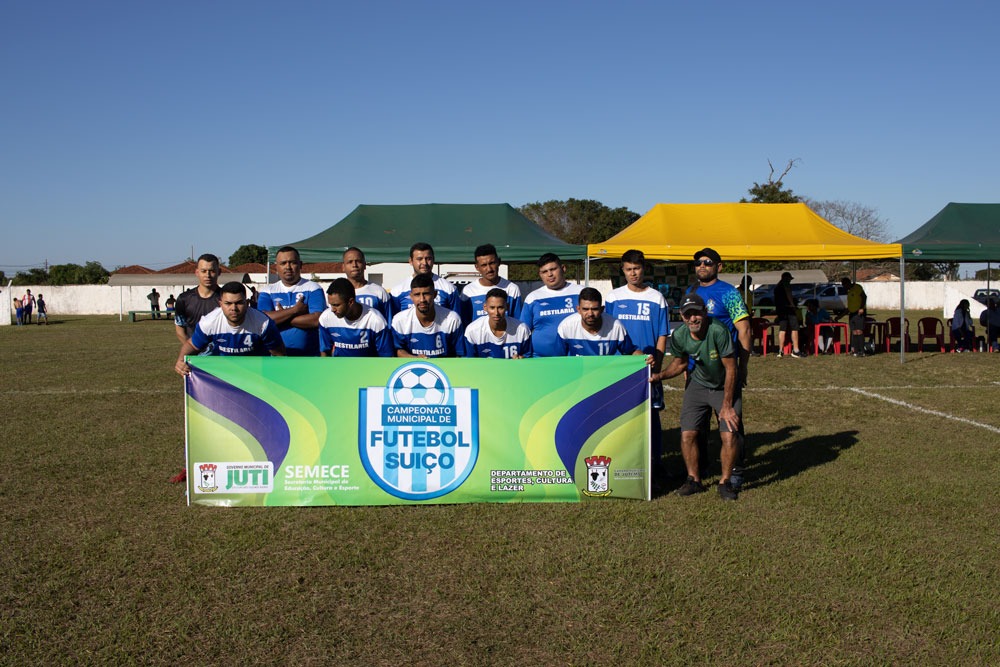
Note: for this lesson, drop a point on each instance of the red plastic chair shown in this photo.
(893, 331)
(930, 328)
(760, 330)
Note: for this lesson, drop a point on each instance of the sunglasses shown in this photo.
(704, 262)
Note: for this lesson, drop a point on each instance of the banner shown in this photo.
(345, 431)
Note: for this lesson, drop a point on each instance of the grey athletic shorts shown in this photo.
(699, 404)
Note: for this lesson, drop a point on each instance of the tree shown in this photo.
(854, 218)
(249, 254)
(981, 274)
(34, 276)
(947, 269)
(772, 192)
(92, 273)
(576, 221)
(922, 271)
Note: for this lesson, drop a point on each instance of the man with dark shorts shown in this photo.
(857, 305)
(786, 316)
(703, 347)
(154, 303)
(724, 305)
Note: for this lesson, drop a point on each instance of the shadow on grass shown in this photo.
(789, 458)
(781, 457)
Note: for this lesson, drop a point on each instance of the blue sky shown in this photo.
(134, 131)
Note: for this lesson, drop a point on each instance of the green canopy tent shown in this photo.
(386, 232)
(958, 233)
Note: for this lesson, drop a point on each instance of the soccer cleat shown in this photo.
(780, 355)
(736, 478)
(727, 492)
(690, 487)
(798, 354)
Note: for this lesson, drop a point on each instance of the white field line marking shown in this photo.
(917, 408)
(834, 388)
(83, 392)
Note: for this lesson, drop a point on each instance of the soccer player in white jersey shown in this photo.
(425, 330)
(350, 328)
(369, 294)
(589, 333)
(422, 261)
(549, 305)
(232, 330)
(643, 312)
(497, 336)
(294, 304)
(472, 300)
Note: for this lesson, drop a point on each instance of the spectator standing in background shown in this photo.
(857, 306)
(786, 315)
(28, 302)
(43, 312)
(154, 303)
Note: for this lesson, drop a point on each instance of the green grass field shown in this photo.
(867, 535)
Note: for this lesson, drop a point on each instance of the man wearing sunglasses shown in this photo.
(725, 305)
(702, 347)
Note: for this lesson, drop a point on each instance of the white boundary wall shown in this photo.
(105, 300)
(921, 295)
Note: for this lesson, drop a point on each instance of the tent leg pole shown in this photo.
(902, 309)
(586, 270)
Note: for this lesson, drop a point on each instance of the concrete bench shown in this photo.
(133, 315)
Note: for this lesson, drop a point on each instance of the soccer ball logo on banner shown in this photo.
(418, 385)
(418, 436)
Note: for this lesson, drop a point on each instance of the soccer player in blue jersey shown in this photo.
(294, 304)
(590, 333)
(549, 305)
(425, 330)
(370, 294)
(233, 329)
(352, 329)
(643, 312)
(497, 336)
(472, 300)
(422, 261)
(724, 304)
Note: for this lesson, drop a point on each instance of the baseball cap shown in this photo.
(711, 254)
(692, 302)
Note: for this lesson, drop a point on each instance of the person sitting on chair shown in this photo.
(990, 318)
(962, 329)
(816, 315)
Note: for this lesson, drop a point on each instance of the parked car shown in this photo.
(763, 295)
(984, 295)
(833, 297)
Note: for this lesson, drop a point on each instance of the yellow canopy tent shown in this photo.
(740, 231)
(764, 232)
